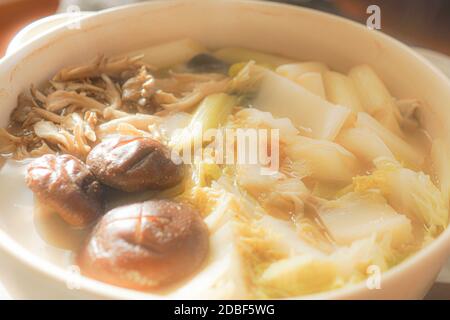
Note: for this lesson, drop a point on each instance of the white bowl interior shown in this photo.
(297, 33)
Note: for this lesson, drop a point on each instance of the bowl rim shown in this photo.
(100, 289)
(20, 37)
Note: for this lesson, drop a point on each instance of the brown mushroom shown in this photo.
(65, 184)
(146, 245)
(134, 164)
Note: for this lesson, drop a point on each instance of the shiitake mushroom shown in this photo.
(64, 184)
(146, 245)
(134, 164)
(143, 245)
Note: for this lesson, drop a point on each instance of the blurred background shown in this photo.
(419, 23)
(423, 23)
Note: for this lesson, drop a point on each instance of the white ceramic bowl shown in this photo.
(37, 27)
(299, 33)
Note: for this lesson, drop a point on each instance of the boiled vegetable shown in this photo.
(326, 160)
(341, 90)
(401, 149)
(373, 93)
(285, 98)
(312, 81)
(409, 192)
(212, 112)
(357, 216)
(440, 159)
(294, 70)
(364, 144)
(375, 97)
(303, 274)
(234, 55)
(170, 53)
